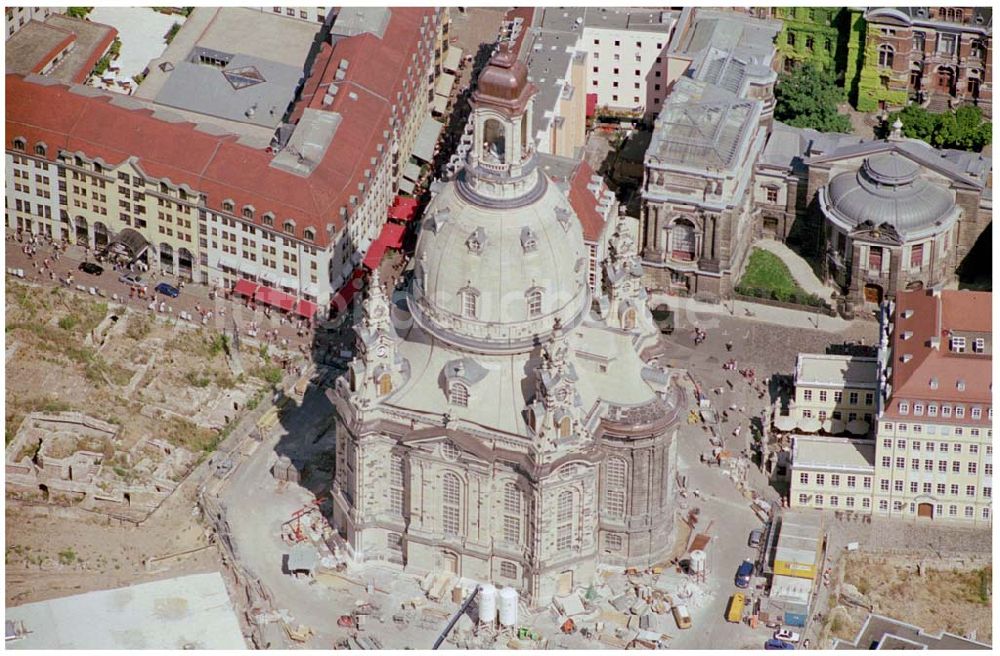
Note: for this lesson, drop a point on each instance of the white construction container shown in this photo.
(507, 604)
(698, 558)
(487, 604)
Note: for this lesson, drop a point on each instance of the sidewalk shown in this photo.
(753, 312)
(799, 268)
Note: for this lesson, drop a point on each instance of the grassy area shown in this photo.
(766, 276)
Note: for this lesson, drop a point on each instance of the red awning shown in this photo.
(245, 288)
(374, 254)
(392, 235)
(306, 309)
(405, 201)
(402, 212)
(343, 298)
(591, 104)
(275, 298)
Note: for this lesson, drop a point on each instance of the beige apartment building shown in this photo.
(835, 387)
(932, 455)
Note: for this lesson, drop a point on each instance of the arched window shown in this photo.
(40, 149)
(564, 521)
(682, 240)
(20, 144)
(494, 146)
(269, 219)
(614, 492)
(247, 212)
(511, 514)
(289, 227)
(384, 384)
(309, 234)
(535, 303)
(397, 485)
(564, 425)
(885, 56)
(458, 394)
(470, 303)
(451, 504)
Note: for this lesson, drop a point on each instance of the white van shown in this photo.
(682, 616)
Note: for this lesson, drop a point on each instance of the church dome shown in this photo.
(888, 189)
(495, 279)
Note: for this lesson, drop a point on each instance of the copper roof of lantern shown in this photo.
(504, 83)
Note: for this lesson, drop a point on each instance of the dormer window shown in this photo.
(309, 234)
(978, 345)
(289, 227)
(40, 149)
(458, 394)
(918, 408)
(269, 220)
(960, 385)
(529, 241)
(248, 212)
(228, 205)
(476, 241)
(958, 344)
(20, 144)
(904, 408)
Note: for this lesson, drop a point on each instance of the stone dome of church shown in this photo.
(888, 189)
(495, 278)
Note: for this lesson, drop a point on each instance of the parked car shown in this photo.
(756, 537)
(786, 635)
(167, 290)
(778, 644)
(743, 574)
(132, 280)
(91, 268)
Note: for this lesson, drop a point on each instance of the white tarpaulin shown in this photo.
(423, 147)
(453, 59)
(444, 85)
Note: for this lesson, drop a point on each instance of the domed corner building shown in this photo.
(895, 217)
(493, 425)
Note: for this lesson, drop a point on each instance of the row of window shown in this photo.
(303, 14)
(838, 397)
(976, 412)
(836, 414)
(942, 465)
(638, 44)
(931, 429)
(883, 505)
(470, 303)
(942, 447)
(957, 343)
(791, 39)
(942, 488)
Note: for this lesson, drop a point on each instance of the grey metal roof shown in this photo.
(358, 20)
(727, 30)
(881, 632)
(248, 89)
(548, 68)
(888, 189)
(702, 134)
(982, 17)
(570, 19)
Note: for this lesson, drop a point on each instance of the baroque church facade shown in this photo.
(504, 422)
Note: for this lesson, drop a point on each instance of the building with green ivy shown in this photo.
(815, 34)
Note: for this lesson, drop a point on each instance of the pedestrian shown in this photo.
(729, 346)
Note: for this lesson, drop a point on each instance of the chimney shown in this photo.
(907, 357)
(907, 313)
(935, 342)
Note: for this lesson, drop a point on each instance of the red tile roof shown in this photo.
(584, 202)
(220, 167)
(935, 316)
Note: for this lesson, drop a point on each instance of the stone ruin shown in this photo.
(69, 457)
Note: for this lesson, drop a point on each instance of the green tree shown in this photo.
(78, 12)
(963, 128)
(808, 98)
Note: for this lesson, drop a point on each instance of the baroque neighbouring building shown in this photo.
(499, 423)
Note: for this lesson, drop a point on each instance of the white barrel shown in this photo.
(488, 604)
(507, 604)
(698, 561)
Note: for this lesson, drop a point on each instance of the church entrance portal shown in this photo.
(873, 294)
(925, 510)
(565, 583)
(450, 562)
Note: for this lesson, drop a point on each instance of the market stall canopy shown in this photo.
(427, 137)
(453, 59)
(591, 104)
(857, 427)
(306, 309)
(440, 105)
(245, 288)
(275, 298)
(444, 85)
(785, 423)
(833, 426)
(809, 424)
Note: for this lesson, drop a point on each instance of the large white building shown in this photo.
(493, 425)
